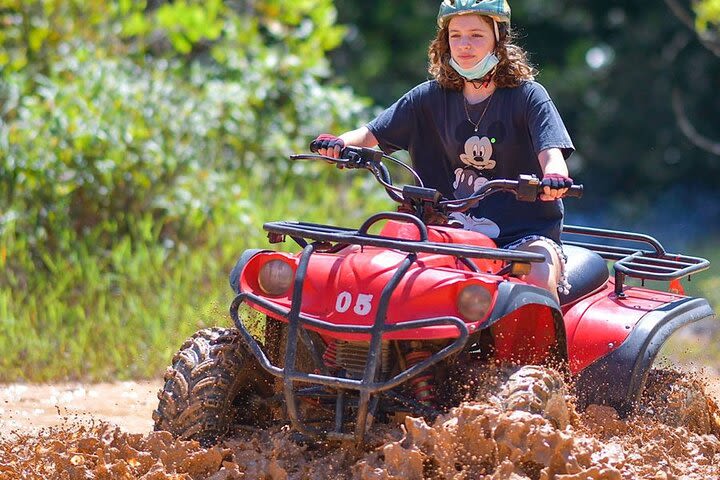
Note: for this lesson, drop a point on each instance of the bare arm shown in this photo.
(362, 137)
(552, 161)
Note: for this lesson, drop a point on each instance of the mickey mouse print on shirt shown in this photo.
(476, 159)
(478, 168)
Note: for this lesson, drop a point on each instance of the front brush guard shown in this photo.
(368, 387)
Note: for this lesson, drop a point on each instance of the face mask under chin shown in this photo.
(479, 70)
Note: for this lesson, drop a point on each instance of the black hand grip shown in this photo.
(349, 151)
(315, 146)
(576, 191)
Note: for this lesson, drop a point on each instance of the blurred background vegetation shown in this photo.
(144, 142)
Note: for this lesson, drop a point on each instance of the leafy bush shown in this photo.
(97, 141)
(140, 151)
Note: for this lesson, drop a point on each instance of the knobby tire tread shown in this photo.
(214, 383)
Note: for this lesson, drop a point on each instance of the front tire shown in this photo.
(214, 383)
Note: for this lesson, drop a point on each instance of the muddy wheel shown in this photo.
(537, 390)
(214, 383)
(679, 401)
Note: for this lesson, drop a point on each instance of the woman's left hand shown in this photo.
(554, 186)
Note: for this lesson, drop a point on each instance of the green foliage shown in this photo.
(35, 33)
(140, 150)
(123, 314)
(708, 14)
(699, 344)
(99, 140)
(708, 283)
(187, 24)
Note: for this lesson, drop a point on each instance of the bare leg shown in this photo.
(544, 275)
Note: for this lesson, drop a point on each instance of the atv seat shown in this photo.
(586, 272)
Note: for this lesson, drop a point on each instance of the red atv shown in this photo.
(360, 327)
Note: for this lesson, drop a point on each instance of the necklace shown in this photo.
(467, 113)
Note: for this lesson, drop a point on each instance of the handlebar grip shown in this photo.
(576, 191)
(315, 146)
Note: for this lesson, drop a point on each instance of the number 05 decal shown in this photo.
(362, 303)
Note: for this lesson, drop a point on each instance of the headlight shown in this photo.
(275, 277)
(474, 302)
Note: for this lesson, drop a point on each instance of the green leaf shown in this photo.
(36, 37)
(708, 13)
(136, 24)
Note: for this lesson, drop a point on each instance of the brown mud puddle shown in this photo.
(473, 441)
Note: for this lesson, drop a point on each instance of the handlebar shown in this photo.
(526, 188)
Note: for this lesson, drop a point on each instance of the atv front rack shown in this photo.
(301, 231)
(369, 387)
(630, 261)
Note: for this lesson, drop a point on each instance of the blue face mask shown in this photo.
(482, 68)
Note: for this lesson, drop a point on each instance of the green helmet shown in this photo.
(497, 9)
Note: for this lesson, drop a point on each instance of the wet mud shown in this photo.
(472, 441)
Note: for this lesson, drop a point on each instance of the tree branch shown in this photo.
(681, 13)
(688, 129)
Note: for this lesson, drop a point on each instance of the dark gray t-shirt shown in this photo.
(431, 123)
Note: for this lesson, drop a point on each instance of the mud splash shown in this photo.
(472, 441)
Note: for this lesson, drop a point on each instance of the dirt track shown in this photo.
(29, 408)
(103, 432)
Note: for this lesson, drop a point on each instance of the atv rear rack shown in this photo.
(643, 264)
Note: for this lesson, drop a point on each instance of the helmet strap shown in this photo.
(483, 82)
(488, 78)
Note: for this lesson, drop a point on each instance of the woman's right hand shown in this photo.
(328, 145)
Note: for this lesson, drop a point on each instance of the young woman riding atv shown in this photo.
(482, 117)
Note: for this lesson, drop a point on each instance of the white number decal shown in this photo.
(342, 304)
(362, 305)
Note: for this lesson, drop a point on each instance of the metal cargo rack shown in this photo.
(629, 260)
(341, 237)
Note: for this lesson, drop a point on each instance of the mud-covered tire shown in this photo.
(214, 383)
(679, 401)
(538, 390)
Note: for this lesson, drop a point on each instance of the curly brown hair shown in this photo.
(513, 69)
